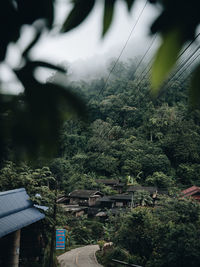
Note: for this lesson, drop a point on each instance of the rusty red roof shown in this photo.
(190, 191)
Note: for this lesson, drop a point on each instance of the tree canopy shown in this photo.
(23, 117)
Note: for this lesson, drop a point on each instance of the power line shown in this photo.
(189, 45)
(105, 85)
(188, 66)
(182, 67)
(123, 48)
(166, 82)
(148, 68)
(186, 78)
(139, 63)
(149, 47)
(183, 63)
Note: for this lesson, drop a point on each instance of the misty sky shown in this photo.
(85, 41)
(83, 48)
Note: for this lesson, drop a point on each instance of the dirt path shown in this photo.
(80, 257)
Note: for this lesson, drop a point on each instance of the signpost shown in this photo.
(60, 238)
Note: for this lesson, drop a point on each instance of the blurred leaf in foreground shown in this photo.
(78, 14)
(165, 58)
(108, 15)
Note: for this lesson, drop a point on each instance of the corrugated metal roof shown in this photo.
(84, 193)
(121, 197)
(105, 199)
(191, 190)
(107, 181)
(150, 189)
(16, 211)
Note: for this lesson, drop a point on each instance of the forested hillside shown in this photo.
(128, 133)
(132, 137)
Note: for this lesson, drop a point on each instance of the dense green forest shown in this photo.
(128, 135)
(156, 142)
(156, 237)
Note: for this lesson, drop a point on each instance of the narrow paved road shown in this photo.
(80, 257)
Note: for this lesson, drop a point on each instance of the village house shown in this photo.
(192, 192)
(105, 203)
(16, 213)
(84, 197)
(114, 184)
(62, 199)
(75, 210)
(92, 202)
(153, 191)
(121, 200)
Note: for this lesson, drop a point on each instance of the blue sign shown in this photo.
(60, 238)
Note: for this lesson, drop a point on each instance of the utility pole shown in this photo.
(132, 200)
(53, 233)
(13, 259)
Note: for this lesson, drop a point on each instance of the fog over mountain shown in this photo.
(83, 50)
(97, 64)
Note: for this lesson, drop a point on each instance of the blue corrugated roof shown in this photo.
(16, 211)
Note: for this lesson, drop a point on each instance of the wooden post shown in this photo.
(131, 200)
(53, 233)
(13, 260)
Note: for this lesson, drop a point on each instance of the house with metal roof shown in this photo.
(106, 202)
(151, 189)
(85, 197)
(113, 183)
(16, 212)
(121, 200)
(108, 182)
(192, 192)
